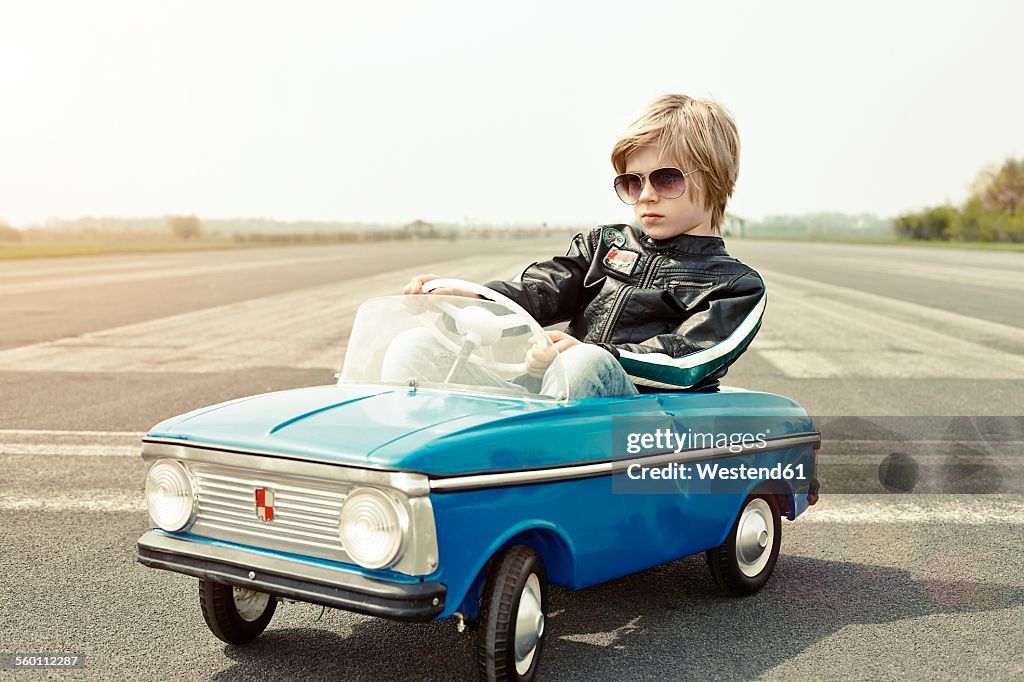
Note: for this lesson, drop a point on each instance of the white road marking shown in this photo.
(950, 509)
(818, 330)
(303, 329)
(66, 269)
(605, 639)
(824, 253)
(83, 501)
(6, 434)
(145, 274)
(41, 443)
(975, 329)
(78, 450)
(1005, 453)
(940, 272)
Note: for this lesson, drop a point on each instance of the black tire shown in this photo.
(506, 585)
(725, 562)
(223, 618)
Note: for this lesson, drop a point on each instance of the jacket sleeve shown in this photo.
(706, 342)
(551, 290)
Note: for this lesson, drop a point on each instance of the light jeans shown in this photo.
(590, 371)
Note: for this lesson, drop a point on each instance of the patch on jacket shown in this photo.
(612, 237)
(621, 260)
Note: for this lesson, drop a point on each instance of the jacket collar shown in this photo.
(683, 243)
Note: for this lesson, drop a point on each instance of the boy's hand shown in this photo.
(415, 286)
(539, 358)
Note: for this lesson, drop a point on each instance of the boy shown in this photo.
(665, 308)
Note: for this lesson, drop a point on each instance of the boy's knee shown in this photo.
(418, 337)
(409, 354)
(593, 372)
(587, 356)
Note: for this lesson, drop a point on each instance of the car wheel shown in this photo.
(513, 612)
(745, 561)
(236, 615)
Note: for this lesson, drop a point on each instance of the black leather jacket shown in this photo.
(675, 312)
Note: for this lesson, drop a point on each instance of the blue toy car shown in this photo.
(438, 478)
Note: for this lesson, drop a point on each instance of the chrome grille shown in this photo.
(305, 518)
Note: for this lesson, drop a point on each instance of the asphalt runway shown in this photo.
(94, 351)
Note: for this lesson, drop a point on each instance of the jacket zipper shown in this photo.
(689, 283)
(649, 271)
(645, 279)
(619, 298)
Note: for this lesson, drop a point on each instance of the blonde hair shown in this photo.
(695, 133)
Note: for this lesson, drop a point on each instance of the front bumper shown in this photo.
(293, 579)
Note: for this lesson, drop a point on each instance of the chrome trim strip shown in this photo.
(606, 468)
(277, 454)
(411, 483)
(256, 561)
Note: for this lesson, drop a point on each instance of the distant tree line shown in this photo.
(822, 225)
(399, 234)
(184, 226)
(994, 211)
(189, 228)
(325, 237)
(8, 233)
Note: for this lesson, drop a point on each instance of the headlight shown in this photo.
(169, 494)
(371, 527)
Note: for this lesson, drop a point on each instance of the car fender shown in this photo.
(549, 541)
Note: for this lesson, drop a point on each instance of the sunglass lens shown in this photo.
(668, 182)
(627, 186)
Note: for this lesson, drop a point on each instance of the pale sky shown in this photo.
(499, 112)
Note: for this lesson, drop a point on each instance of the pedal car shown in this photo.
(437, 478)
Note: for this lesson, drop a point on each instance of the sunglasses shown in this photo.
(667, 182)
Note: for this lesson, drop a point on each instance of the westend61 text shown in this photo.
(709, 471)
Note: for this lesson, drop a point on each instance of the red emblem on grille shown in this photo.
(264, 504)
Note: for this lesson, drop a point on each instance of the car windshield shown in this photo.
(452, 342)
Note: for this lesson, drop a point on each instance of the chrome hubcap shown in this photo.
(250, 604)
(755, 536)
(529, 624)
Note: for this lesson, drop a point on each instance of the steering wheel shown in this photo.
(479, 327)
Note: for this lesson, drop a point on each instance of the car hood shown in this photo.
(343, 424)
(444, 432)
